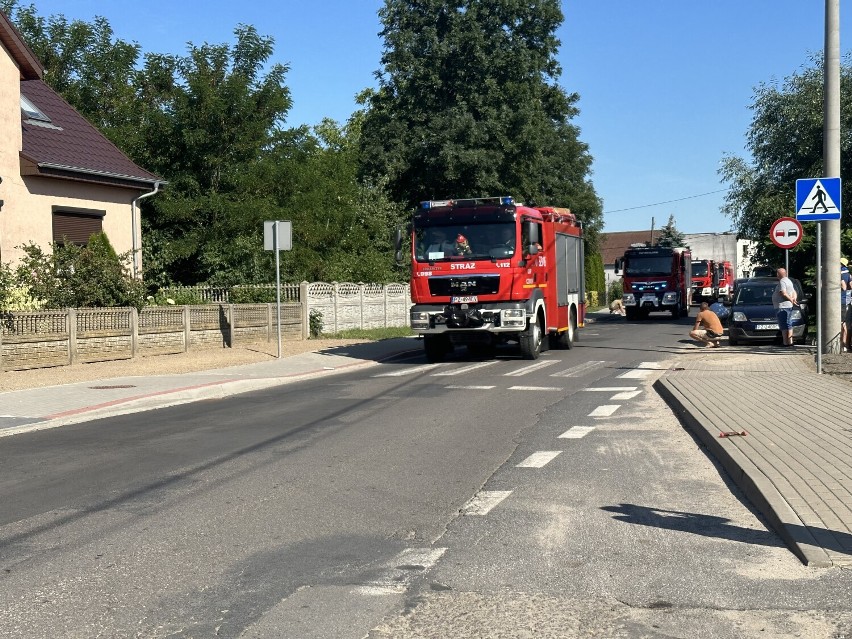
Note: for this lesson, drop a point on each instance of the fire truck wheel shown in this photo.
(435, 347)
(633, 314)
(530, 340)
(566, 338)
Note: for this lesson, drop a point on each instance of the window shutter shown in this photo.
(77, 227)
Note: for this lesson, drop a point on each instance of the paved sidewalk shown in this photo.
(794, 462)
(49, 407)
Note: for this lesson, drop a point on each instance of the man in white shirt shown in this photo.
(784, 299)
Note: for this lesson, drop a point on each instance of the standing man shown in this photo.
(712, 328)
(845, 301)
(783, 299)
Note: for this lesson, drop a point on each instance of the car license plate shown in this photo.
(464, 299)
(767, 327)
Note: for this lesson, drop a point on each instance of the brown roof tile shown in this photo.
(70, 146)
(614, 244)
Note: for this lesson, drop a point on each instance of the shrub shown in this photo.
(74, 276)
(252, 295)
(315, 322)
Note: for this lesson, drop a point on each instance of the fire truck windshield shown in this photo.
(699, 269)
(464, 241)
(648, 265)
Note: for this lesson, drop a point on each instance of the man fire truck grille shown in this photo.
(470, 285)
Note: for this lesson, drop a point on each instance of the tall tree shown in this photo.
(785, 142)
(468, 105)
(669, 235)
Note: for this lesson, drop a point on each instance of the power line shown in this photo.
(681, 199)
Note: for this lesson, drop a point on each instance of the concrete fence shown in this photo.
(36, 339)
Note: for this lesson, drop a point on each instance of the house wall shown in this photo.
(26, 214)
(10, 134)
(30, 214)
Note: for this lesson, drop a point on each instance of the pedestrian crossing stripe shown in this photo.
(818, 199)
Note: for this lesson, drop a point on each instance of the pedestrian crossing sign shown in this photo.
(818, 199)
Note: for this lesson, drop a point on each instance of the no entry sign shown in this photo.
(786, 232)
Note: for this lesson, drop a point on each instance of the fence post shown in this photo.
(385, 299)
(361, 304)
(71, 318)
(134, 331)
(334, 298)
(187, 331)
(306, 311)
(232, 330)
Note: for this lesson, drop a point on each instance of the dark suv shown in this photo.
(754, 319)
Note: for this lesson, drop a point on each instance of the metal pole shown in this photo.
(787, 261)
(830, 260)
(819, 298)
(277, 247)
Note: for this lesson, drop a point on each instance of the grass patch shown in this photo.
(371, 333)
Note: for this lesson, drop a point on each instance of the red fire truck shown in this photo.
(486, 271)
(725, 278)
(705, 282)
(655, 278)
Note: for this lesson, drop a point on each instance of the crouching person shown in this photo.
(708, 329)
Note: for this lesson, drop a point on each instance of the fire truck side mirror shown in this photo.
(619, 264)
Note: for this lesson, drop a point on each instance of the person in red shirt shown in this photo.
(708, 329)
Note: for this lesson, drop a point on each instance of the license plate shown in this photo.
(464, 299)
(767, 327)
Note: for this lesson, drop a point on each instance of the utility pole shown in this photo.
(829, 266)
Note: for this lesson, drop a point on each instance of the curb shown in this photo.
(759, 490)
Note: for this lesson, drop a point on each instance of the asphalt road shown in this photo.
(467, 499)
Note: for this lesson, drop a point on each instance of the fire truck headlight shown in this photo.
(513, 317)
(628, 299)
(707, 291)
(669, 297)
(419, 321)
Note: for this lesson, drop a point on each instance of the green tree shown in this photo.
(669, 235)
(468, 105)
(785, 142)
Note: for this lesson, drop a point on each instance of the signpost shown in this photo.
(818, 199)
(277, 236)
(786, 233)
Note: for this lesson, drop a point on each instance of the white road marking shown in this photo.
(464, 369)
(469, 387)
(643, 370)
(576, 371)
(539, 459)
(626, 395)
(576, 432)
(535, 388)
(483, 501)
(605, 411)
(397, 574)
(612, 389)
(409, 371)
(531, 368)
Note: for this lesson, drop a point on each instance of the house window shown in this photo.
(76, 226)
(31, 111)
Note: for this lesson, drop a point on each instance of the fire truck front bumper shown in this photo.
(650, 300)
(497, 317)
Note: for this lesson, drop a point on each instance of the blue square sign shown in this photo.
(818, 199)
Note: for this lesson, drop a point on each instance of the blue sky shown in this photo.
(665, 87)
